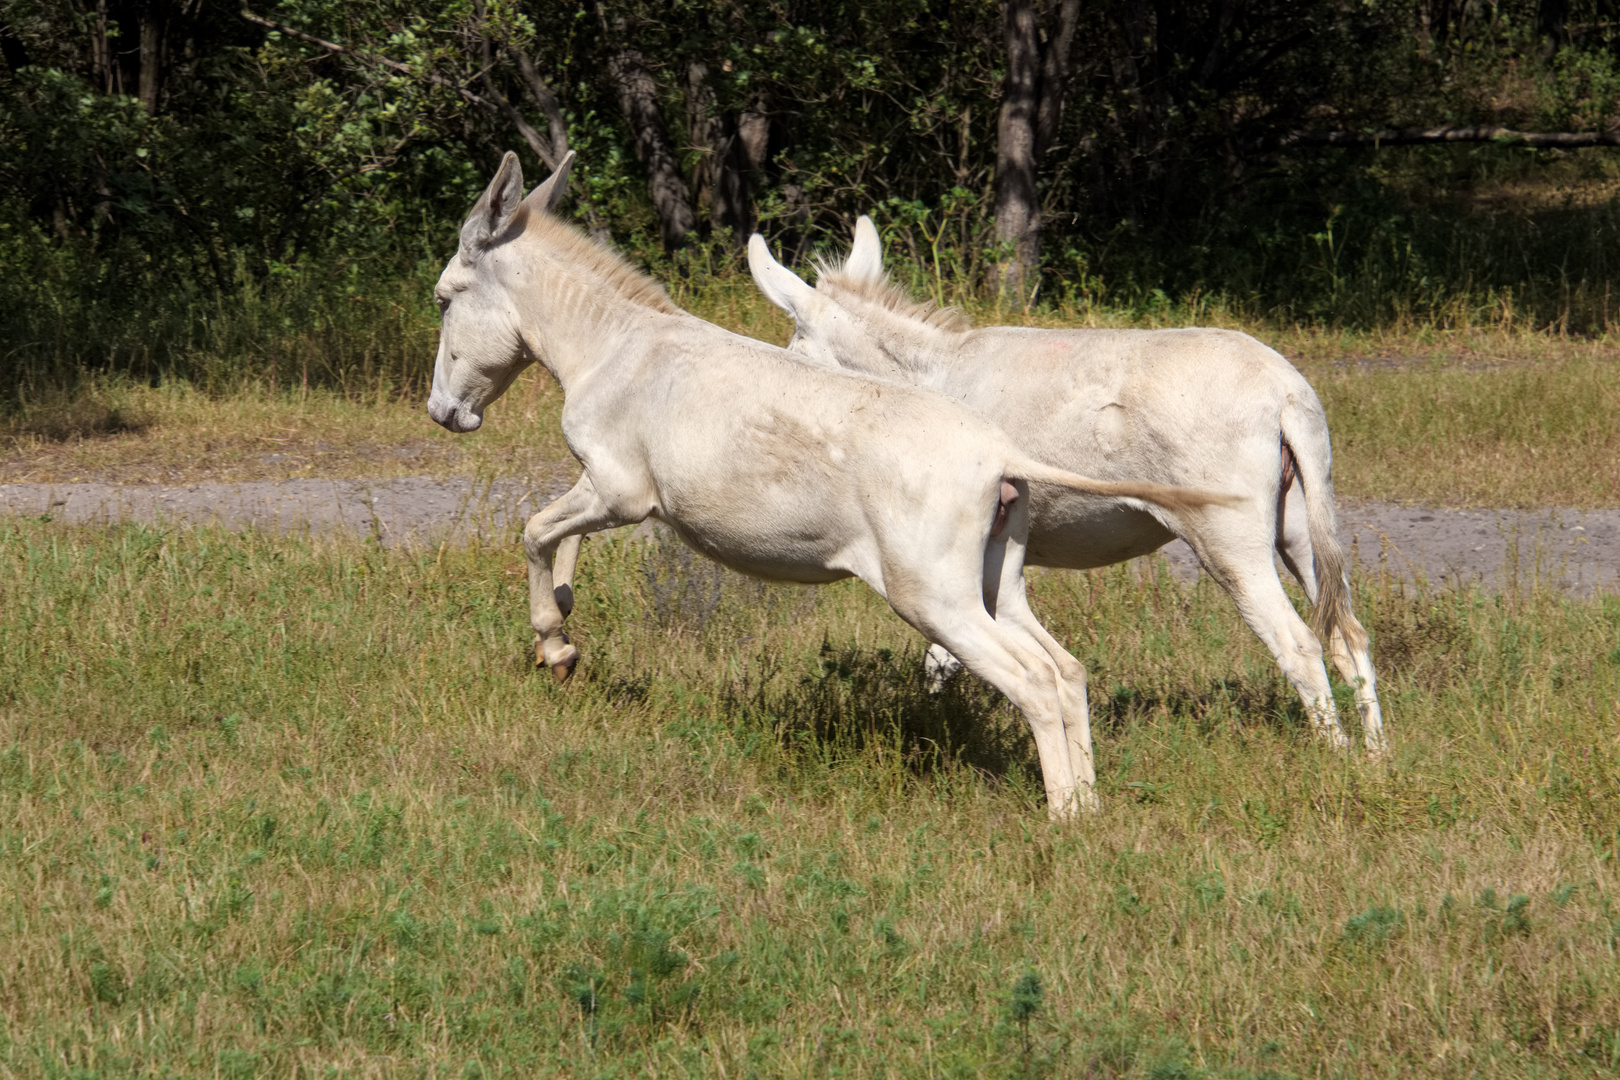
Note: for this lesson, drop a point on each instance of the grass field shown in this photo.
(277, 807)
(281, 806)
(1465, 418)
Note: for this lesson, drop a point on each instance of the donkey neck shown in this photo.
(576, 302)
(922, 353)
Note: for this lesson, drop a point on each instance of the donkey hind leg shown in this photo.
(1253, 584)
(957, 614)
(1013, 612)
(562, 573)
(581, 510)
(1006, 597)
(1022, 671)
(1349, 645)
(1294, 540)
(939, 667)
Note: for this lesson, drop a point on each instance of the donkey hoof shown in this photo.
(540, 660)
(562, 670)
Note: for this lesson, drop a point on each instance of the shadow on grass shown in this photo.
(861, 700)
(1240, 702)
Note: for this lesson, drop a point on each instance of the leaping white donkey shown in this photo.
(771, 466)
(1193, 407)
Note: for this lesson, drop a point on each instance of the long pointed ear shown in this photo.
(780, 285)
(865, 262)
(493, 209)
(549, 194)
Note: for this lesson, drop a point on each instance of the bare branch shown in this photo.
(546, 100)
(1428, 136)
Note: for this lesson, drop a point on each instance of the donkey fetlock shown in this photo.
(558, 654)
(1325, 719)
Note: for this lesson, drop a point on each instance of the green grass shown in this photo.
(272, 807)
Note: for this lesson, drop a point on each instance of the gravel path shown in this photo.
(1576, 550)
(417, 509)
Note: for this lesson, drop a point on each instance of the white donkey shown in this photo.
(771, 466)
(1193, 407)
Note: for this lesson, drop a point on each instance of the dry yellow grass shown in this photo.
(1466, 418)
(120, 432)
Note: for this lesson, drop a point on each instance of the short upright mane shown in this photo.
(629, 283)
(890, 297)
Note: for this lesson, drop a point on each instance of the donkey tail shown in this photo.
(1305, 436)
(1177, 500)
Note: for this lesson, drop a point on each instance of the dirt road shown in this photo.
(1575, 550)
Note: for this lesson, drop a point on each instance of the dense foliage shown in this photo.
(180, 179)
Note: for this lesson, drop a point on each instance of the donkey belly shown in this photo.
(1078, 534)
(803, 559)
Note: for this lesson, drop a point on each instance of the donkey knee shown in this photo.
(534, 535)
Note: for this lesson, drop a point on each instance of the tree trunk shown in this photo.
(720, 180)
(152, 41)
(1055, 75)
(102, 61)
(1483, 133)
(733, 194)
(1018, 221)
(1552, 19)
(754, 135)
(702, 133)
(638, 99)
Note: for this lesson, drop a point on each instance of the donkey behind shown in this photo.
(1194, 407)
(772, 466)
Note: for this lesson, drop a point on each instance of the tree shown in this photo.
(1031, 109)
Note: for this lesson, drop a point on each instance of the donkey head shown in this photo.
(480, 348)
(824, 332)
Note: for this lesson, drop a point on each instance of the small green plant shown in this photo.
(1369, 930)
(1023, 1004)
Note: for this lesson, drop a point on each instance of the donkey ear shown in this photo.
(493, 209)
(780, 285)
(549, 194)
(865, 262)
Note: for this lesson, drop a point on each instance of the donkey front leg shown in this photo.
(562, 573)
(580, 511)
